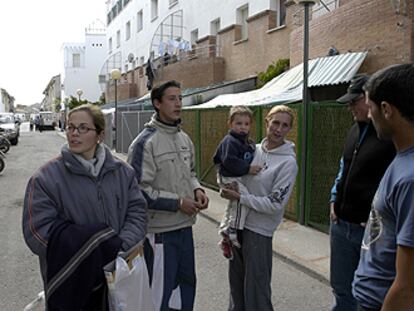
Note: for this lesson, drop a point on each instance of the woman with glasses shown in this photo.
(80, 210)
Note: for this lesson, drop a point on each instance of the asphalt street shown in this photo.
(19, 272)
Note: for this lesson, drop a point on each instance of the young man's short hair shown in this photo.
(394, 85)
(239, 110)
(158, 92)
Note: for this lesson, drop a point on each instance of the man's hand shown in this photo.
(189, 207)
(334, 218)
(229, 194)
(255, 169)
(201, 198)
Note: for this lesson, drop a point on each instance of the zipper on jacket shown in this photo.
(100, 199)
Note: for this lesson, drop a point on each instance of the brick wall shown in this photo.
(195, 72)
(360, 25)
(262, 47)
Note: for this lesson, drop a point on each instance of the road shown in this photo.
(19, 272)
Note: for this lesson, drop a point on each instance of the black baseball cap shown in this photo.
(355, 89)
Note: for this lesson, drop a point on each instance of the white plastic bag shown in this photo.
(38, 304)
(128, 285)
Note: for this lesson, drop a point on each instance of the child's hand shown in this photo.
(254, 169)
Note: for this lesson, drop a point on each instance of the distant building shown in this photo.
(6, 101)
(52, 94)
(83, 62)
(201, 43)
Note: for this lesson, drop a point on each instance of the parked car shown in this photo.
(47, 120)
(10, 127)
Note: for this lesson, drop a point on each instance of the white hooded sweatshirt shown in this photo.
(270, 189)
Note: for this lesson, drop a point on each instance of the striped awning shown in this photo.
(288, 87)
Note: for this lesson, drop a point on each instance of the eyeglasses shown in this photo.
(82, 129)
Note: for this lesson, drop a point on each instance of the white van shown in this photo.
(47, 120)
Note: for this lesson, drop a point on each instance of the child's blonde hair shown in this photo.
(239, 110)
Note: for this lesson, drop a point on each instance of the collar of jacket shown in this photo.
(242, 137)
(168, 128)
(73, 165)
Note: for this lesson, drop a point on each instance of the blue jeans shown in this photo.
(179, 266)
(346, 239)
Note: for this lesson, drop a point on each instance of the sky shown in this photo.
(31, 37)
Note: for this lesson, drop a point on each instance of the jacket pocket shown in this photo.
(165, 161)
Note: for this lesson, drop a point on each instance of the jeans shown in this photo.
(346, 239)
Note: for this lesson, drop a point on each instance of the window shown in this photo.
(109, 18)
(76, 60)
(194, 37)
(215, 27)
(280, 8)
(242, 15)
(118, 38)
(128, 31)
(139, 21)
(154, 9)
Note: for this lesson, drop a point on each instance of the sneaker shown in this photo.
(226, 248)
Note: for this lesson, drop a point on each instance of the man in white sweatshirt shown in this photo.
(250, 271)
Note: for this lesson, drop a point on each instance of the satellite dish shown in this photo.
(131, 57)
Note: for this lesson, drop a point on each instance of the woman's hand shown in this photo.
(255, 169)
(229, 194)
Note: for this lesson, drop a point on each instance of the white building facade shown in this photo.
(6, 101)
(133, 26)
(83, 62)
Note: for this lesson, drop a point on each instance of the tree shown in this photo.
(274, 69)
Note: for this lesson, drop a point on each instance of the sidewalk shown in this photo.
(304, 247)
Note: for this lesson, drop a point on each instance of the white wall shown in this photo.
(196, 15)
(93, 54)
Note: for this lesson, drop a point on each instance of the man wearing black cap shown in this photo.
(363, 163)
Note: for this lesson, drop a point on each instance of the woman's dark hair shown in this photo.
(158, 92)
(96, 114)
(394, 85)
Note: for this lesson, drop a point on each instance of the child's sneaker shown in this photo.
(225, 246)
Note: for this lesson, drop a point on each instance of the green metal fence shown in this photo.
(328, 124)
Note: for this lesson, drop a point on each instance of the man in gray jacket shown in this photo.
(163, 158)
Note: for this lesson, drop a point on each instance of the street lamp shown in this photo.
(306, 4)
(79, 92)
(116, 75)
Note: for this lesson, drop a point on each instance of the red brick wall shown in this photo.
(195, 72)
(249, 57)
(360, 25)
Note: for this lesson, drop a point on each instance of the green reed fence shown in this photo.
(328, 122)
